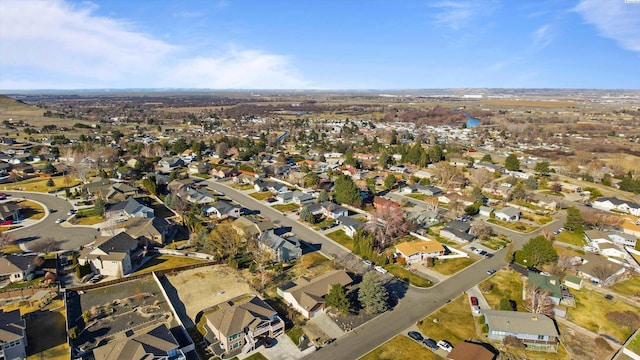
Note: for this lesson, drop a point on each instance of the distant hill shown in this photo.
(16, 110)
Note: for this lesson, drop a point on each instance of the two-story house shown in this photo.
(13, 335)
(113, 257)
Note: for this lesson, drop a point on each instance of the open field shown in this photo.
(630, 287)
(207, 286)
(528, 103)
(40, 184)
(400, 347)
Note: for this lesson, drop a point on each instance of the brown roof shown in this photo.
(232, 318)
(470, 351)
(409, 248)
(309, 293)
(156, 342)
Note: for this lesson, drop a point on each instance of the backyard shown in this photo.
(453, 322)
(629, 287)
(164, 262)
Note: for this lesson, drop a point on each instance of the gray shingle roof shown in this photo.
(520, 322)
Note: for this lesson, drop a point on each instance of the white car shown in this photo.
(59, 221)
(380, 269)
(444, 345)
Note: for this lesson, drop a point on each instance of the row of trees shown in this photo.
(372, 295)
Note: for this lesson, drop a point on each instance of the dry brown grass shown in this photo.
(528, 103)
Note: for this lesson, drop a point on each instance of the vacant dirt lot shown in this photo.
(206, 286)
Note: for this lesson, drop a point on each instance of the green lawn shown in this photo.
(404, 274)
(453, 322)
(569, 237)
(451, 266)
(341, 238)
(505, 284)
(325, 222)
(294, 334)
(40, 184)
(399, 348)
(590, 312)
(515, 226)
(256, 356)
(241, 186)
(634, 345)
(628, 287)
(417, 196)
(89, 220)
(261, 195)
(163, 262)
(496, 243)
(286, 207)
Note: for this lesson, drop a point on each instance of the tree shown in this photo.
(532, 183)
(99, 206)
(542, 167)
(305, 214)
(511, 341)
(372, 294)
(473, 209)
(482, 231)
(390, 181)
(329, 173)
(311, 179)
(477, 194)
(555, 187)
(337, 299)
(603, 273)
(487, 158)
(538, 301)
(50, 183)
(48, 169)
(538, 250)
(512, 163)
(6, 238)
(387, 224)
(150, 185)
(519, 192)
(346, 191)
(384, 159)
(46, 246)
(323, 196)
(574, 222)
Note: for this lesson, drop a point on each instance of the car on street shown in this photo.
(367, 262)
(59, 221)
(430, 343)
(415, 335)
(380, 269)
(71, 212)
(444, 345)
(608, 297)
(491, 271)
(6, 222)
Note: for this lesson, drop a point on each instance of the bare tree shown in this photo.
(388, 223)
(513, 342)
(538, 301)
(564, 261)
(548, 234)
(482, 231)
(46, 246)
(603, 273)
(6, 238)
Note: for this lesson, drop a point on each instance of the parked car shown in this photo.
(367, 262)
(71, 212)
(415, 335)
(608, 297)
(477, 251)
(96, 278)
(474, 301)
(380, 269)
(444, 345)
(6, 222)
(430, 343)
(59, 221)
(491, 271)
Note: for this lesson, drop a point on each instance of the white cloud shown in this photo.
(53, 44)
(457, 14)
(542, 37)
(615, 20)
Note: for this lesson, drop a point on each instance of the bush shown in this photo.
(485, 328)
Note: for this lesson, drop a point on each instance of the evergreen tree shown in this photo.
(372, 295)
(306, 215)
(532, 183)
(512, 163)
(150, 185)
(346, 191)
(323, 196)
(575, 222)
(390, 181)
(384, 159)
(538, 250)
(99, 206)
(337, 299)
(542, 167)
(436, 153)
(487, 158)
(311, 179)
(50, 183)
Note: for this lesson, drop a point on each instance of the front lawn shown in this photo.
(294, 334)
(400, 347)
(417, 196)
(451, 266)
(321, 224)
(569, 237)
(591, 310)
(241, 186)
(89, 220)
(261, 195)
(406, 275)
(496, 243)
(453, 322)
(286, 207)
(163, 262)
(515, 226)
(31, 210)
(634, 345)
(341, 238)
(503, 285)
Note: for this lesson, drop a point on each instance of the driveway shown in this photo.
(68, 237)
(285, 349)
(328, 326)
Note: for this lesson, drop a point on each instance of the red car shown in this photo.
(6, 222)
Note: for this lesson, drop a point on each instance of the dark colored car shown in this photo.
(609, 297)
(474, 301)
(430, 343)
(415, 335)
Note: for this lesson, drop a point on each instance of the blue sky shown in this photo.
(348, 44)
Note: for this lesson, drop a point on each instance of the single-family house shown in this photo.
(457, 235)
(301, 198)
(156, 342)
(455, 197)
(198, 167)
(239, 325)
(350, 225)
(611, 250)
(536, 331)
(622, 239)
(170, 163)
(598, 269)
(13, 335)
(333, 211)
(485, 211)
(417, 251)
(508, 214)
(423, 174)
(112, 257)
(131, 207)
(155, 231)
(307, 295)
(573, 282)
(613, 203)
(466, 350)
(224, 209)
(9, 211)
(595, 237)
(200, 196)
(459, 162)
(250, 226)
(421, 189)
(382, 203)
(423, 218)
(15, 268)
(281, 249)
(223, 172)
(489, 167)
(551, 284)
(285, 196)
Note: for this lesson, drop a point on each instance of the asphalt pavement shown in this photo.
(67, 237)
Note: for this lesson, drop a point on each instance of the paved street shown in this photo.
(68, 237)
(414, 304)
